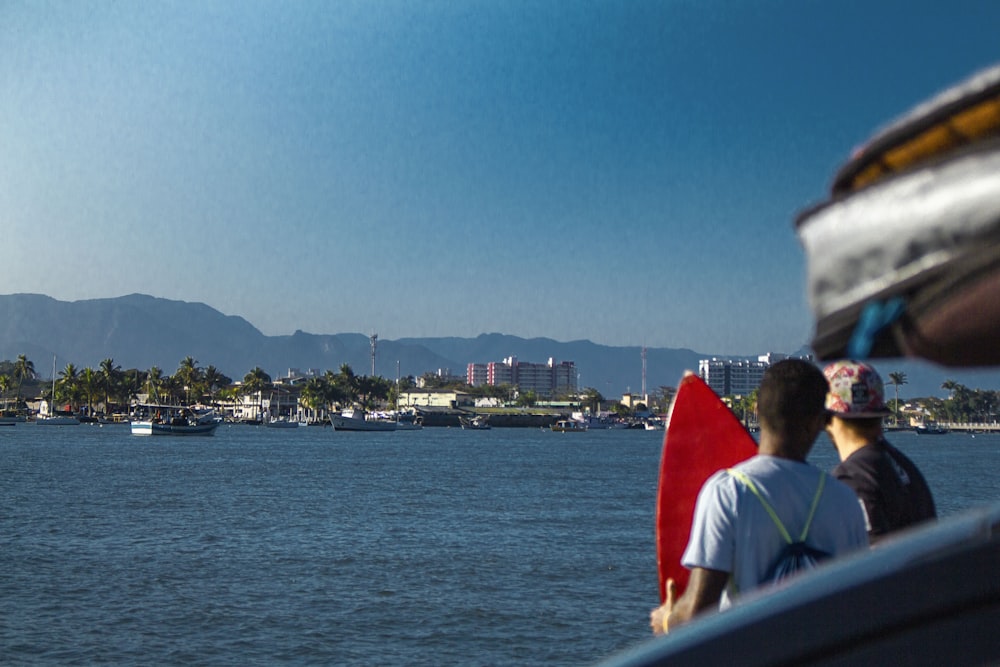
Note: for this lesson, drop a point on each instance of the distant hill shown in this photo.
(140, 331)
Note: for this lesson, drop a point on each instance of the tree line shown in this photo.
(115, 389)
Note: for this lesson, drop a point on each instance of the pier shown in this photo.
(991, 427)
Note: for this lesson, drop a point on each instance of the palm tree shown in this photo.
(24, 369)
(128, 388)
(69, 379)
(255, 382)
(314, 395)
(958, 405)
(896, 379)
(110, 377)
(89, 382)
(348, 381)
(5, 383)
(189, 376)
(153, 380)
(214, 380)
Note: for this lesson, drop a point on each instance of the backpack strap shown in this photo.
(770, 510)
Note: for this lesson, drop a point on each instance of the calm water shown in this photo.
(308, 546)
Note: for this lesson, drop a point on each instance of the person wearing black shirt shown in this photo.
(892, 490)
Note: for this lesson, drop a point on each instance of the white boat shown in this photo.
(476, 423)
(175, 420)
(48, 415)
(281, 422)
(358, 420)
(569, 426)
(58, 419)
(278, 420)
(654, 425)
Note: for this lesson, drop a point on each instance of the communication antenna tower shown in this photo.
(374, 341)
(643, 372)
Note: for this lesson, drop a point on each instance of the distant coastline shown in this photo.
(141, 331)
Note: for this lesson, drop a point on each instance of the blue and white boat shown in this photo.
(175, 420)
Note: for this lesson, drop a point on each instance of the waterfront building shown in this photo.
(430, 398)
(740, 376)
(545, 380)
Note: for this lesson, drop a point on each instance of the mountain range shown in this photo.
(141, 331)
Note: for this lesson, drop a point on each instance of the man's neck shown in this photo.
(849, 440)
(772, 444)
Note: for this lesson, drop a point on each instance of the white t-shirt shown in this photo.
(732, 532)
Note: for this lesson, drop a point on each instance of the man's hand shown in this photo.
(659, 618)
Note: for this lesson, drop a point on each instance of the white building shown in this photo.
(737, 377)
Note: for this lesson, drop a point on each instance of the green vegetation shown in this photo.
(109, 389)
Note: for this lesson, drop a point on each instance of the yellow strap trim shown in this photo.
(770, 510)
(965, 126)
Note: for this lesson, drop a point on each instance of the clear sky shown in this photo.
(625, 172)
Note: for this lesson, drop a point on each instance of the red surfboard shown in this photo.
(702, 436)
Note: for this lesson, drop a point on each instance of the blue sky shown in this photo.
(624, 172)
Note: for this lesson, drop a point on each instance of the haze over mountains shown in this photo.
(140, 331)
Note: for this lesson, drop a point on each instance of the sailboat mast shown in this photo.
(52, 398)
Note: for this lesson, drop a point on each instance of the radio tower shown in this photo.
(374, 340)
(644, 372)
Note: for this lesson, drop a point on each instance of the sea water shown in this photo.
(309, 546)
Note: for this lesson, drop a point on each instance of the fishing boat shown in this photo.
(475, 423)
(356, 419)
(174, 420)
(569, 426)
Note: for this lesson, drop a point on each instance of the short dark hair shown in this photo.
(792, 392)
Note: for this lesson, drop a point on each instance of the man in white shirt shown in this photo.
(734, 541)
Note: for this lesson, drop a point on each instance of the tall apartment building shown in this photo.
(736, 377)
(546, 380)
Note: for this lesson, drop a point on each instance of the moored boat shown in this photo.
(409, 421)
(930, 429)
(174, 420)
(655, 424)
(358, 420)
(48, 415)
(55, 418)
(599, 422)
(10, 417)
(281, 422)
(569, 426)
(475, 423)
